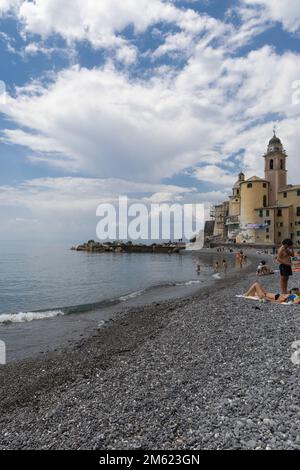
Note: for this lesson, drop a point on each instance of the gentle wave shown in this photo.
(189, 283)
(24, 317)
(133, 295)
(217, 276)
(44, 315)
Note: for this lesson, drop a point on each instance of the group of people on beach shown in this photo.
(240, 258)
(222, 265)
(285, 260)
(218, 266)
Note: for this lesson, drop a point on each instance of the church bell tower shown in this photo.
(275, 168)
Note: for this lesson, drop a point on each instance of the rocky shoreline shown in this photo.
(209, 372)
(121, 247)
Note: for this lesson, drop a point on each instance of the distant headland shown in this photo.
(129, 247)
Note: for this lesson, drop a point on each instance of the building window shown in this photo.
(279, 213)
(285, 195)
(279, 234)
(264, 185)
(298, 192)
(268, 222)
(268, 230)
(265, 201)
(298, 211)
(238, 191)
(267, 237)
(281, 165)
(268, 213)
(249, 185)
(298, 233)
(261, 213)
(271, 164)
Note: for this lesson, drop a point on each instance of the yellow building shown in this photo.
(254, 194)
(261, 211)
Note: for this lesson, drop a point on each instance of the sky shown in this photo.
(159, 100)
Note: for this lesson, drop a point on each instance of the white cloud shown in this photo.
(79, 194)
(214, 174)
(56, 208)
(130, 132)
(287, 12)
(102, 123)
(105, 124)
(102, 22)
(8, 5)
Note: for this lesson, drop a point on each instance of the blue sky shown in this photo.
(157, 99)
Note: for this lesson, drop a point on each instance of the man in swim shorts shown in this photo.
(284, 258)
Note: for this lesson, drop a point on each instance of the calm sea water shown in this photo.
(51, 296)
(39, 280)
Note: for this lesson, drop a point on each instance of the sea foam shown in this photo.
(28, 316)
(133, 295)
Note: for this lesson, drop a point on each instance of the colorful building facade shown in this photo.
(261, 211)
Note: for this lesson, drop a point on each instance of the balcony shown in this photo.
(232, 220)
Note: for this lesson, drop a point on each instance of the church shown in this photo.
(261, 211)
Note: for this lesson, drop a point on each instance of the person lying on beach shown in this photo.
(256, 290)
(263, 269)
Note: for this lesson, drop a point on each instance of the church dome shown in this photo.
(275, 140)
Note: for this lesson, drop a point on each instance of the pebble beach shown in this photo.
(210, 371)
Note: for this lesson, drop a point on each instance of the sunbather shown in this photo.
(256, 290)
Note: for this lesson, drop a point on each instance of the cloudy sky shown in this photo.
(160, 100)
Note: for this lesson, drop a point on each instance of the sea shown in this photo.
(50, 295)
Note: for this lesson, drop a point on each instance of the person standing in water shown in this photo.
(217, 267)
(240, 258)
(225, 266)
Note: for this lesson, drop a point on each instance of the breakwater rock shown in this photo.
(129, 247)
